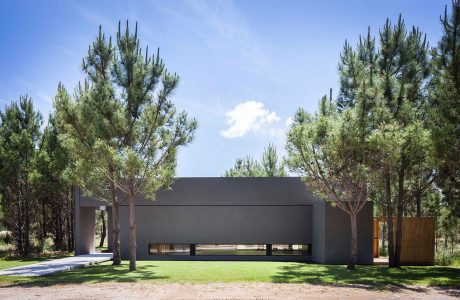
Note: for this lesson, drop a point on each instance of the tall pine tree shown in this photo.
(396, 73)
(19, 136)
(445, 107)
(144, 129)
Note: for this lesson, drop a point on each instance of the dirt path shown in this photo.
(222, 291)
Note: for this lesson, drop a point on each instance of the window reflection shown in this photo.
(229, 249)
(215, 249)
(169, 249)
(291, 249)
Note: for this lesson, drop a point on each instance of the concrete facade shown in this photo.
(332, 234)
(234, 211)
(85, 222)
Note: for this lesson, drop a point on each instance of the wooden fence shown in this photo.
(418, 239)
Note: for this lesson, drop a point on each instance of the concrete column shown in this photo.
(85, 225)
(76, 224)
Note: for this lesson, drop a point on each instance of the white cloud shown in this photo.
(289, 121)
(250, 116)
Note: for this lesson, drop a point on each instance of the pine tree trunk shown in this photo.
(103, 230)
(354, 243)
(419, 205)
(384, 235)
(68, 199)
(445, 238)
(398, 237)
(115, 228)
(44, 233)
(68, 229)
(72, 216)
(400, 211)
(389, 208)
(27, 220)
(18, 232)
(132, 232)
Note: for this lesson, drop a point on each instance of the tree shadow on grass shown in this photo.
(369, 277)
(92, 274)
(449, 290)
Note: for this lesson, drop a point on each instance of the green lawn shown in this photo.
(6, 263)
(278, 272)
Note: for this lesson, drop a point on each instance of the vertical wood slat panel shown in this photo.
(418, 239)
(376, 238)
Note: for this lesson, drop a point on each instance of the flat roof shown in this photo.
(229, 191)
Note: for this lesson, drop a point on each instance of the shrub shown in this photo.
(446, 257)
(6, 236)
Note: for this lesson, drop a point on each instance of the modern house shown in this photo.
(272, 218)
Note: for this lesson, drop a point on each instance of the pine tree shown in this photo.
(445, 107)
(349, 70)
(356, 67)
(88, 123)
(269, 165)
(138, 128)
(389, 89)
(326, 149)
(245, 167)
(19, 136)
(404, 69)
(53, 189)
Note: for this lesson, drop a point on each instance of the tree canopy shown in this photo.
(270, 165)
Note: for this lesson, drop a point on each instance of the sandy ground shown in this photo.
(222, 291)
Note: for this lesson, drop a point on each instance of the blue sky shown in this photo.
(245, 66)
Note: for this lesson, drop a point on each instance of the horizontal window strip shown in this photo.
(239, 205)
(230, 249)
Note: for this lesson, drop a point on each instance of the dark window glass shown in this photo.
(291, 249)
(169, 249)
(214, 249)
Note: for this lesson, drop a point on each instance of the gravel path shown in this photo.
(222, 291)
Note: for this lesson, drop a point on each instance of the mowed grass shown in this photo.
(232, 271)
(6, 263)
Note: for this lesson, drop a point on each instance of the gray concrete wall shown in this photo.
(225, 191)
(337, 235)
(234, 211)
(85, 224)
(216, 225)
(318, 232)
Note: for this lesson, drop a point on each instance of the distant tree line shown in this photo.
(36, 193)
(270, 165)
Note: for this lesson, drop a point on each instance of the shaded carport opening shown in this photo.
(88, 229)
